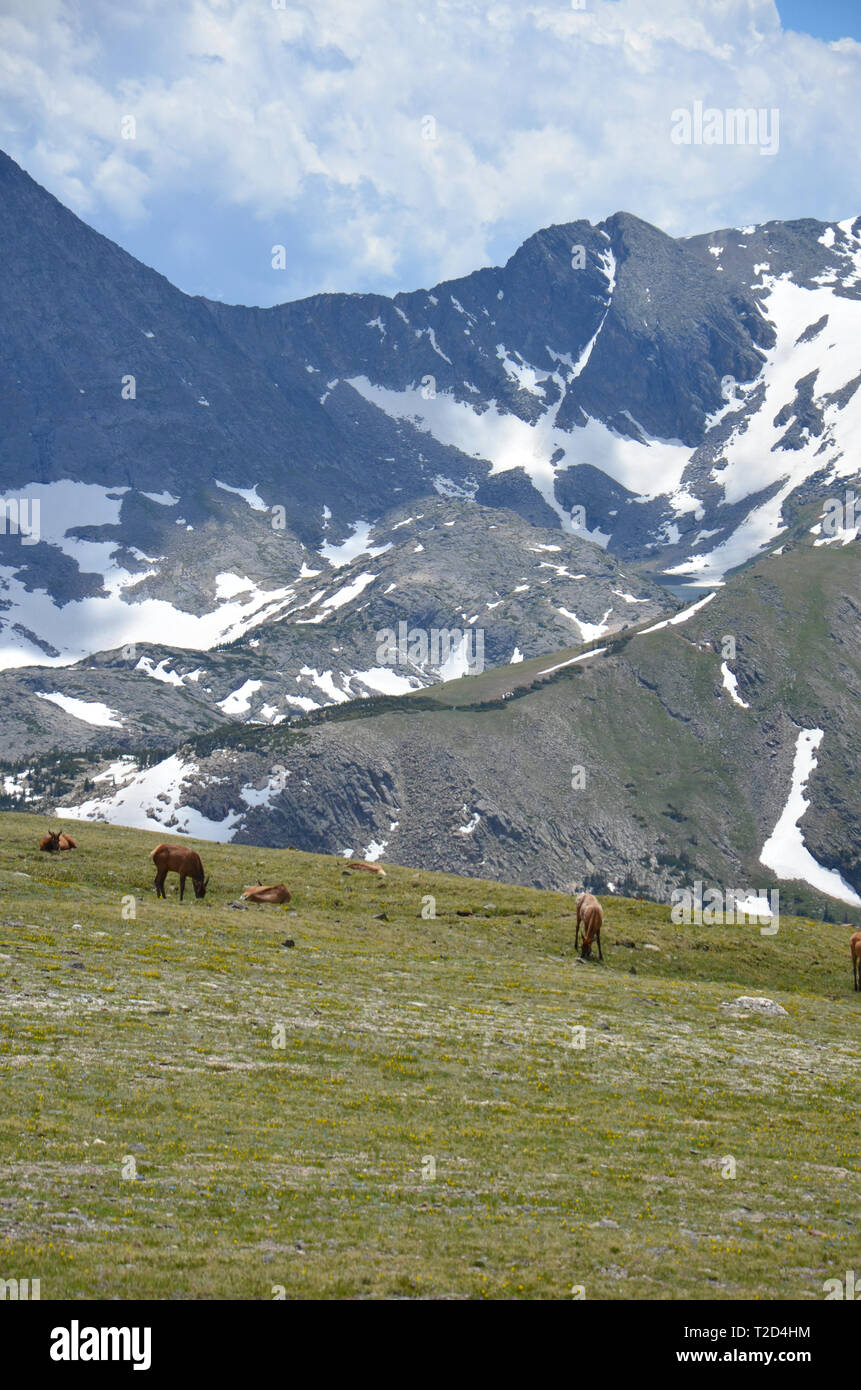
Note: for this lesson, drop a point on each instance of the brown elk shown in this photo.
(54, 841)
(855, 953)
(267, 893)
(370, 868)
(178, 859)
(583, 900)
(591, 915)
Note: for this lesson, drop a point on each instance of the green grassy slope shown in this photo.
(300, 1167)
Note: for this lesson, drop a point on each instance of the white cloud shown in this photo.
(310, 120)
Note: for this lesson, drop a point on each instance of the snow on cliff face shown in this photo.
(75, 628)
(799, 416)
(650, 468)
(817, 332)
(80, 627)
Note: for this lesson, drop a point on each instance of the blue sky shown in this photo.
(824, 19)
(390, 145)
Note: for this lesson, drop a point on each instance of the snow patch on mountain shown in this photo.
(374, 851)
(348, 592)
(119, 772)
(159, 672)
(527, 378)
(228, 585)
(75, 629)
(262, 796)
(66, 506)
(152, 800)
(249, 494)
(572, 661)
(239, 701)
(785, 852)
(730, 684)
(588, 631)
(649, 469)
(303, 702)
(385, 681)
(32, 621)
(681, 617)
(758, 455)
(164, 499)
(458, 661)
(325, 681)
(88, 711)
(843, 535)
(344, 552)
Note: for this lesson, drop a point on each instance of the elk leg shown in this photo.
(181, 886)
(159, 884)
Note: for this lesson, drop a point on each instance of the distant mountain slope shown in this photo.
(646, 767)
(674, 400)
(213, 515)
(489, 586)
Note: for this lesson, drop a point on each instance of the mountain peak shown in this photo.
(585, 378)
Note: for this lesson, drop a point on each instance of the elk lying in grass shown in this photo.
(855, 953)
(54, 841)
(267, 893)
(371, 868)
(178, 859)
(591, 915)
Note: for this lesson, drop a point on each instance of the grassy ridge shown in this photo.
(299, 1167)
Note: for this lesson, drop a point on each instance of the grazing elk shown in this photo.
(583, 901)
(54, 841)
(370, 868)
(178, 859)
(855, 953)
(591, 915)
(267, 893)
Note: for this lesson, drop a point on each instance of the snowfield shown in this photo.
(88, 711)
(785, 852)
(152, 800)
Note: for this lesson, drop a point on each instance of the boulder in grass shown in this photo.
(755, 1004)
